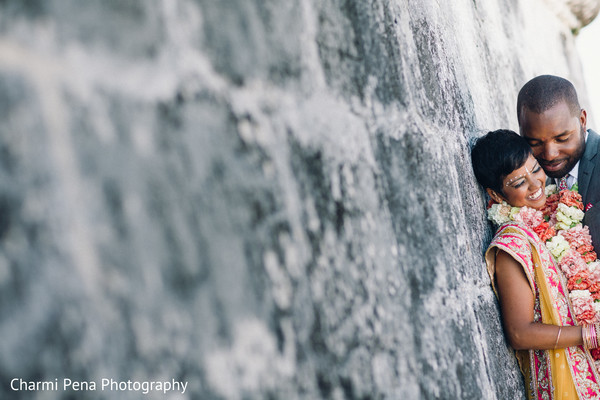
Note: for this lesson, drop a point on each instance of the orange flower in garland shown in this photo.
(571, 198)
(551, 204)
(586, 248)
(544, 231)
(594, 288)
(587, 317)
(589, 257)
(579, 281)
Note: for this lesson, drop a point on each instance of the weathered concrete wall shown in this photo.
(267, 199)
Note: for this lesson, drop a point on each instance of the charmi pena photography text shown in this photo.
(105, 384)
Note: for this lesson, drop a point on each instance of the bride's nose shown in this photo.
(533, 182)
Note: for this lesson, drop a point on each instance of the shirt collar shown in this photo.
(575, 171)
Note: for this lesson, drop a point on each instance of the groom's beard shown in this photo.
(571, 160)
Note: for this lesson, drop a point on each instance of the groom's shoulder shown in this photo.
(593, 141)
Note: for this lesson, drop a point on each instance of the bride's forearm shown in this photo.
(538, 336)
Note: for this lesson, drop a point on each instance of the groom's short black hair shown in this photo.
(497, 154)
(544, 92)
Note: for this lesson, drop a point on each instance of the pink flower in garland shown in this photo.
(572, 263)
(529, 216)
(594, 279)
(578, 236)
(596, 306)
(583, 306)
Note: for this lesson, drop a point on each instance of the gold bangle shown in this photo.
(557, 337)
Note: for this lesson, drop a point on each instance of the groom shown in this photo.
(554, 124)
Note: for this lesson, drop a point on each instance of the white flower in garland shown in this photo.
(550, 190)
(567, 217)
(592, 266)
(579, 294)
(499, 213)
(513, 212)
(558, 246)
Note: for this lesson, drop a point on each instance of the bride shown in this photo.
(547, 325)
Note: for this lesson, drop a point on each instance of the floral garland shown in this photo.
(558, 224)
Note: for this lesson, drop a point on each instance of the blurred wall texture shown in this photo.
(267, 199)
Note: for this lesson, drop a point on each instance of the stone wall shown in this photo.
(266, 199)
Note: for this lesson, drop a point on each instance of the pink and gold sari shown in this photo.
(567, 373)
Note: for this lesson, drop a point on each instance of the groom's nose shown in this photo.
(550, 151)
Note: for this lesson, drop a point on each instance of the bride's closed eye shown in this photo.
(521, 180)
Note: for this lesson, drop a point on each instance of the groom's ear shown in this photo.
(583, 119)
(495, 196)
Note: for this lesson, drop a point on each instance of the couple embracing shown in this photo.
(544, 187)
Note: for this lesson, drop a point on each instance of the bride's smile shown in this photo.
(536, 195)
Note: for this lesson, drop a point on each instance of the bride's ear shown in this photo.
(495, 196)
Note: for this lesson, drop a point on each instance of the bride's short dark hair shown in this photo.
(497, 154)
